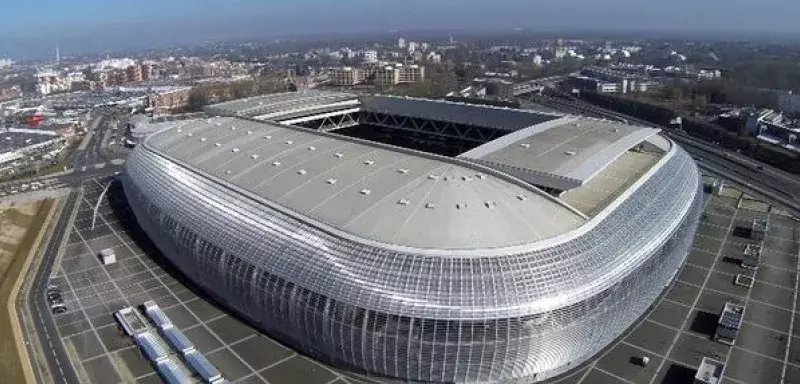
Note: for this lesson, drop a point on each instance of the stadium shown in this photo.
(419, 240)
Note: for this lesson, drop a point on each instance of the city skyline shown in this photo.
(33, 31)
(367, 191)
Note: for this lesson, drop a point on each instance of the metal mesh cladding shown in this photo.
(410, 316)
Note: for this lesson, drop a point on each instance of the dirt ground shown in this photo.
(19, 226)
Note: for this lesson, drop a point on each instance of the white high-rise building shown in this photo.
(401, 43)
(371, 56)
(537, 60)
(412, 46)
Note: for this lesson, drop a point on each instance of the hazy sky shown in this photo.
(30, 27)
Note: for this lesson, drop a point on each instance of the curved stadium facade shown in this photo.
(415, 266)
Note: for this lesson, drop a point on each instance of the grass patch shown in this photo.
(11, 265)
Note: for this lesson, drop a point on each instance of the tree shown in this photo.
(699, 101)
(672, 92)
(241, 89)
(197, 100)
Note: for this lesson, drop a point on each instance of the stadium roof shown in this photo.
(562, 154)
(372, 191)
(504, 119)
(278, 104)
(285, 106)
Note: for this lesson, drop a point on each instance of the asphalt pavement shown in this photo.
(92, 162)
(87, 164)
(57, 358)
(95, 163)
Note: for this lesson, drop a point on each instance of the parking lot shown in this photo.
(93, 292)
(676, 334)
(679, 330)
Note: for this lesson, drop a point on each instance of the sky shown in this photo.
(33, 28)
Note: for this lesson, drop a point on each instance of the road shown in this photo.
(92, 162)
(57, 358)
(89, 163)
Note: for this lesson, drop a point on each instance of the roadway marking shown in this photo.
(791, 320)
(624, 380)
(697, 298)
(159, 278)
(645, 317)
(47, 250)
(746, 302)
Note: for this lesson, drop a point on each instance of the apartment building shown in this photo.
(346, 76)
(387, 75)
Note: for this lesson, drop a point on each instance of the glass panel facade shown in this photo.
(418, 317)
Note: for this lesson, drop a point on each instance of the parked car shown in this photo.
(52, 296)
(58, 308)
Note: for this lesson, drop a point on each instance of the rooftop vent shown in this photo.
(369, 162)
(249, 132)
(218, 124)
(190, 134)
(490, 204)
(338, 155)
(404, 202)
(331, 181)
(365, 191)
(254, 156)
(180, 130)
(301, 172)
(235, 150)
(267, 137)
(276, 163)
(228, 172)
(570, 153)
(521, 197)
(481, 176)
(461, 206)
(217, 144)
(312, 148)
(466, 178)
(430, 205)
(525, 145)
(289, 142)
(202, 139)
(433, 177)
(403, 170)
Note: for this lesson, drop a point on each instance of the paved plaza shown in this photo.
(676, 334)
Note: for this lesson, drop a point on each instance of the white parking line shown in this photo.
(697, 298)
(791, 320)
